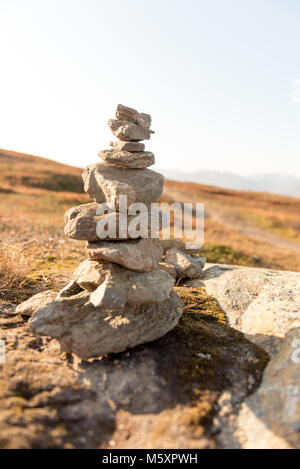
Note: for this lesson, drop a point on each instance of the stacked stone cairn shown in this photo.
(122, 295)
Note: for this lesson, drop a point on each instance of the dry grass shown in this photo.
(14, 271)
(19, 169)
(30, 267)
(277, 213)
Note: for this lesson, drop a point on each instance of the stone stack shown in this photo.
(119, 297)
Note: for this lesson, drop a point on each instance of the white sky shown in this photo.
(216, 76)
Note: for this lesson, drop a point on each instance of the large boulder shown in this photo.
(139, 185)
(264, 304)
(269, 418)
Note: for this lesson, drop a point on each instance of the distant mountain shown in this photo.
(277, 183)
(274, 183)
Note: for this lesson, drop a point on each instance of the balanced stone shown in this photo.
(126, 159)
(122, 295)
(81, 222)
(90, 274)
(139, 185)
(133, 289)
(127, 146)
(114, 286)
(136, 254)
(88, 331)
(185, 264)
(125, 130)
(125, 113)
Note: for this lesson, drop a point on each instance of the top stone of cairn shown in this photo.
(130, 125)
(124, 113)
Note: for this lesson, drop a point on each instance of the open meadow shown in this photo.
(245, 228)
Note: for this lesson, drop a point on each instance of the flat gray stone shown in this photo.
(264, 304)
(141, 254)
(90, 331)
(81, 223)
(125, 130)
(126, 159)
(127, 146)
(139, 185)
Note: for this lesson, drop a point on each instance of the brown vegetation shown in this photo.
(14, 269)
(244, 227)
(35, 193)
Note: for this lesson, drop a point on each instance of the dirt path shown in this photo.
(235, 222)
(229, 220)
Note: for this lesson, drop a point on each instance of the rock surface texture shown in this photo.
(127, 146)
(185, 265)
(120, 297)
(125, 130)
(265, 306)
(90, 331)
(141, 254)
(139, 185)
(127, 159)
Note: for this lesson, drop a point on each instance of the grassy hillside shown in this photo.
(21, 170)
(34, 195)
(245, 228)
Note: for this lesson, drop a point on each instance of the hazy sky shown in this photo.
(218, 76)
